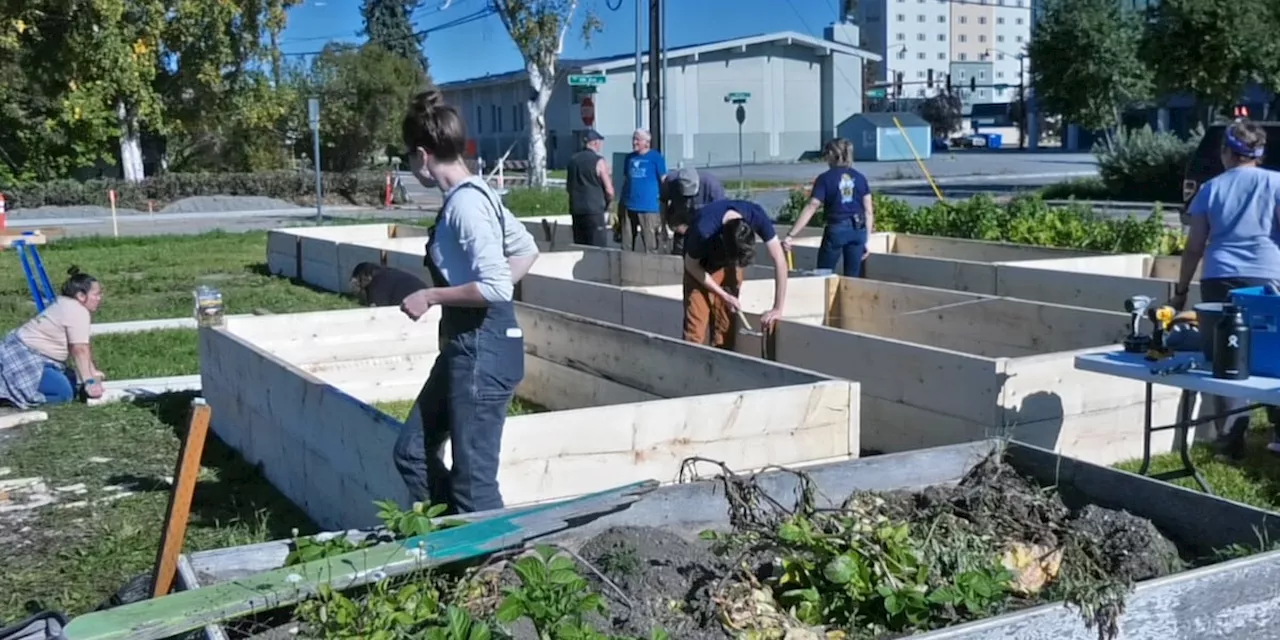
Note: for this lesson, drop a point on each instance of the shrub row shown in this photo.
(1140, 165)
(366, 188)
(1022, 220)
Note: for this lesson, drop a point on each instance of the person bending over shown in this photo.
(684, 191)
(377, 286)
(476, 252)
(39, 360)
(845, 198)
(1234, 228)
(720, 242)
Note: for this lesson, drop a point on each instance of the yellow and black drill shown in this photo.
(1162, 322)
(1161, 317)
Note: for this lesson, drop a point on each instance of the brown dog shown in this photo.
(378, 286)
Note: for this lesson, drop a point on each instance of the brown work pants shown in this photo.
(705, 310)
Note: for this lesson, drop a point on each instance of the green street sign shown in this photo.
(876, 93)
(737, 97)
(583, 80)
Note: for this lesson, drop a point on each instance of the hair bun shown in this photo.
(426, 101)
(73, 270)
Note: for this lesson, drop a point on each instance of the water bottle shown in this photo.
(1231, 345)
(208, 307)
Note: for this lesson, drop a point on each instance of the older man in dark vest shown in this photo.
(590, 192)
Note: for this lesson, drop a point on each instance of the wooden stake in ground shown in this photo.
(179, 512)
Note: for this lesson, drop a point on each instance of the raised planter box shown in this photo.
(940, 367)
(293, 393)
(311, 254)
(1222, 600)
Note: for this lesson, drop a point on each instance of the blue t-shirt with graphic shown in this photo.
(840, 190)
(644, 175)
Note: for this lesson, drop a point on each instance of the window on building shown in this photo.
(962, 73)
(964, 19)
(963, 57)
(982, 75)
(942, 19)
(942, 56)
(920, 56)
(920, 18)
(920, 93)
(901, 36)
(920, 37)
(999, 20)
(962, 38)
(999, 56)
(919, 74)
(902, 55)
(1000, 2)
(999, 38)
(982, 38)
(942, 37)
(902, 17)
(1017, 39)
(479, 120)
(999, 74)
(1019, 21)
(982, 19)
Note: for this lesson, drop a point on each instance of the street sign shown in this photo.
(737, 97)
(313, 113)
(876, 93)
(740, 114)
(588, 111)
(586, 80)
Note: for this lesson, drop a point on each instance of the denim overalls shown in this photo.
(465, 400)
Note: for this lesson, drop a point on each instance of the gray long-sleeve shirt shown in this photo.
(472, 244)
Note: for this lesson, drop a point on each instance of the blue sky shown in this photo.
(483, 46)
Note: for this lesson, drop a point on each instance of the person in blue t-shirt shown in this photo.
(641, 190)
(720, 241)
(1235, 228)
(845, 198)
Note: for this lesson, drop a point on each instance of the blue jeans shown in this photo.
(57, 384)
(843, 240)
(465, 400)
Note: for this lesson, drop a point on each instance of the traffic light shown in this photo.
(897, 85)
(973, 83)
(929, 81)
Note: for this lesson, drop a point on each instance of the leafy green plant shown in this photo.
(390, 611)
(1142, 164)
(417, 521)
(552, 596)
(530, 202)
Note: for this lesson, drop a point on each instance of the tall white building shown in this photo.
(974, 40)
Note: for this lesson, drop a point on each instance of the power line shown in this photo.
(418, 35)
(419, 13)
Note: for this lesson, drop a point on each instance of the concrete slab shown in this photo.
(294, 393)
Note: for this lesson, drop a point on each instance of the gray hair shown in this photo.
(643, 134)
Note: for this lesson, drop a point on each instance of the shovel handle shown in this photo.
(742, 317)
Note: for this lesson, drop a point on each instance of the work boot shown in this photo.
(1229, 447)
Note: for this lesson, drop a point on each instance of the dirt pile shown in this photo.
(883, 565)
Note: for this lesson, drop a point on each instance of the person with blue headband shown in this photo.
(1235, 229)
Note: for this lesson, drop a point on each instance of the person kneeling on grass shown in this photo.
(34, 357)
(377, 286)
(719, 243)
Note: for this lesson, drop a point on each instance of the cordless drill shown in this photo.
(1162, 321)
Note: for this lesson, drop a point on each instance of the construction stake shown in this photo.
(179, 512)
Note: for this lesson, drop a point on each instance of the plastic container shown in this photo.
(1207, 316)
(1262, 312)
(208, 306)
(995, 140)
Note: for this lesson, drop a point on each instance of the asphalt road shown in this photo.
(194, 223)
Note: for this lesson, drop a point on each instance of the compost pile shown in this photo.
(882, 565)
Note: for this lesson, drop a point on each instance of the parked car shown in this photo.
(1206, 162)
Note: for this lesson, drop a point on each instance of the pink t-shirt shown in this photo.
(60, 325)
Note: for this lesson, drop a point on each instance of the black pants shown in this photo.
(591, 229)
(1219, 290)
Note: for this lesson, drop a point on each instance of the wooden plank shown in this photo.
(1088, 290)
(592, 299)
(976, 250)
(558, 387)
(189, 610)
(869, 306)
(941, 273)
(1130, 265)
(1039, 326)
(174, 531)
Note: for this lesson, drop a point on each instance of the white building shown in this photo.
(801, 89)
(984, 39)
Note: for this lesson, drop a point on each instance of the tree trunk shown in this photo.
(130, 143)
(542, 82)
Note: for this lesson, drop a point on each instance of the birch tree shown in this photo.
(538, 28)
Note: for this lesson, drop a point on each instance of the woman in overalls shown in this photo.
(476, 253)
(845, 198)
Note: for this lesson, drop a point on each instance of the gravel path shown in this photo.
(195, 204)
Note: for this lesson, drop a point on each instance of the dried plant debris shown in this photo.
(882, 565)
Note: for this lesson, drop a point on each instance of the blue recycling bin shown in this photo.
(994, 140)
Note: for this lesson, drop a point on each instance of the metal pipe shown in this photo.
(666, 86)
(639, 88)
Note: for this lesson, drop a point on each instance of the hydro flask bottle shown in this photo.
(1231, 345)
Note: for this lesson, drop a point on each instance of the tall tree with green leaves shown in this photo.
(538, 28)
(1211, 49)
(1084, 61)
(389, 24)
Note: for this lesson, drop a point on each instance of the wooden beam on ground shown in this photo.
(185, 475)
(190, 610)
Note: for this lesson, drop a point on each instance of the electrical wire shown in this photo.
(418, 35)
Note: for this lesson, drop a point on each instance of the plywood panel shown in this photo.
(663, 366)
(1088, 290)
(590, 299)
(588, 265)
(1169, 268)
(282, 253)
(660, 314)
(320, 263)
(1124, 265)
(864, 305)
(1040, 326)
(561, 388)
(946, 382)
(891, 427)
(941, 273)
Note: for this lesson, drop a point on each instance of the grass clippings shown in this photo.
(114, 464)
(400, 409)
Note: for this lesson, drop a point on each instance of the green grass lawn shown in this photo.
(399, 409)
(1254, 481)
(71, 559)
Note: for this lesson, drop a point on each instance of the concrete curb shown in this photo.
(129, 390)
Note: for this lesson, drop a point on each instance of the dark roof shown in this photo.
(884, 120)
